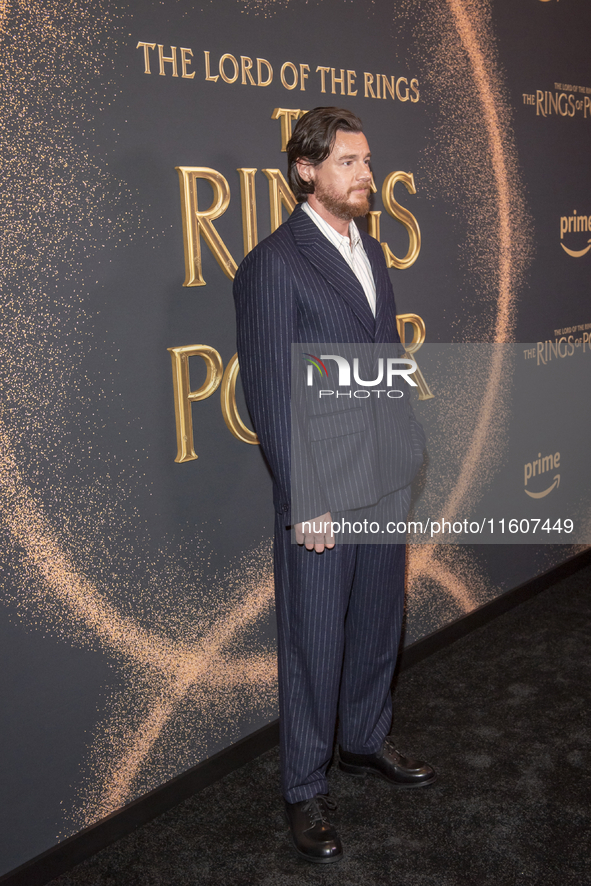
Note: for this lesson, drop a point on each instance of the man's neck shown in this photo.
(340, 225)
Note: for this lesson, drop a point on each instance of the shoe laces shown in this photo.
(317, 807)
(388, 743)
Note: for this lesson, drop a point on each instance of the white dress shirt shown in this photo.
(351, 248)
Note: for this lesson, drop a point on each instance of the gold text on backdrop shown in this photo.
(184, 396)
(199, 223)
(419, 333)
(339, 81)
(216, 375)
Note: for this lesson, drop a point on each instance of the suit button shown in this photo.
(285, 509)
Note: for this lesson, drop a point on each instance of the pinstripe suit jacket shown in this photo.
(296, 287)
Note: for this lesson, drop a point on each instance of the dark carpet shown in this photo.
(503, 714)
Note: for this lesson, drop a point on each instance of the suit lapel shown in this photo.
(327, 260)
(382, 291)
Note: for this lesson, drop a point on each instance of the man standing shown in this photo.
(339, 608)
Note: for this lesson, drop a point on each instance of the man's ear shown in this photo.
(306, 170)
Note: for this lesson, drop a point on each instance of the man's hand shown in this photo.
(315, 534)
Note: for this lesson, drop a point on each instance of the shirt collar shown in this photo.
(330, 232)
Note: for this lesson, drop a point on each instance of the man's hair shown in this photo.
(313, 139)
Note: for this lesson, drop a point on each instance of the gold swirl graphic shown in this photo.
(176, 669)
(499, 250)
(61, 207)
(497, 150)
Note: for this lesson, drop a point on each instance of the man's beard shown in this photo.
(342, 207)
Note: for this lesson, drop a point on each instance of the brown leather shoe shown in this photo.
(399, 771)
(311, 831)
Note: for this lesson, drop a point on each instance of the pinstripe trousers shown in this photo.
(339, 616)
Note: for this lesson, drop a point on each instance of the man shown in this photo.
(339, 607)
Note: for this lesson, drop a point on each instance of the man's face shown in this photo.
(342, 181)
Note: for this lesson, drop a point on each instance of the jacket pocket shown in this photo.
(336, 424)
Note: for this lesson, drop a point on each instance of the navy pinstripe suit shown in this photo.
(339, 613)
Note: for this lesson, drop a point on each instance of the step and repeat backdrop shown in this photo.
(143, 155)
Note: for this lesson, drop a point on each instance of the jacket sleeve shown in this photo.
(266, 315)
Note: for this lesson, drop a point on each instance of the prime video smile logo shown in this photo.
(572, 224)
(537, 467)
(389, 369)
